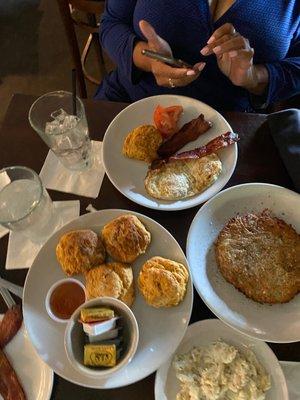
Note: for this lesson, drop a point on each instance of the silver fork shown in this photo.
(9, 301)
(15, 289)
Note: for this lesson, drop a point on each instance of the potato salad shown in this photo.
(220, 372)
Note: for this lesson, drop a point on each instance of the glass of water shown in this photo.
(25, 205)
(51, 116)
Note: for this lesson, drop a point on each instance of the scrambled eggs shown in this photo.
(220, 372)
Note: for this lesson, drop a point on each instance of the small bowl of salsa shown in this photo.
(63, 298)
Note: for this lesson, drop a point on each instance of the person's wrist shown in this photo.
(258, 79)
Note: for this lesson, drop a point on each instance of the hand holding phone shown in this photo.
(171, 61)
(170, 72)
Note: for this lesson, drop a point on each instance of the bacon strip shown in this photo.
(189, 132)
(10, 325)
(214, 145)
(10, 388)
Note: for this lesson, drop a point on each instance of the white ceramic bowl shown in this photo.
(74, 337)
(51, 290)
(203, 333)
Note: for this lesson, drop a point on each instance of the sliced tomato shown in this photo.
(166, 119)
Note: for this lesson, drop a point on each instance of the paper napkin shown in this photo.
(21, 251)
(83, 183)
(3, 231)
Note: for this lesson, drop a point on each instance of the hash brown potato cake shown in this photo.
(163, 282)
(111, 279)
(125, 238)
(80, 250)
(259, 254)
(142, 143)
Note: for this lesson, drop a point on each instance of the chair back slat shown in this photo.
(70, 11)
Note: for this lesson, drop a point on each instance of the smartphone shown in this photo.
(173, 62)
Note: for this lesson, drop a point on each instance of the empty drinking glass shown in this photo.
(52, 117)
(25, 205)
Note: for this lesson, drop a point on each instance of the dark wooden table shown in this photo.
(258, 161)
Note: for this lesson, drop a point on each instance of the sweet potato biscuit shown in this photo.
(129, 295)
(142, 143)
(111, 279)
(163, 282)
(260, 255)
(125, 238)
(78, 251)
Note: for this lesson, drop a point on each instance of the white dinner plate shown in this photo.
(273, 323)
(203, 333)
(128, 175)
(161, 330)
(34, 375)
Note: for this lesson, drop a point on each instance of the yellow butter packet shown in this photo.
(99, 355)
(96, 314)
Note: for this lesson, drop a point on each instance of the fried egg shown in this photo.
(183, 178)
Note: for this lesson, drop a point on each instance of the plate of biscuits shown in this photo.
(114, 256)
(243, 248)
(169, 152)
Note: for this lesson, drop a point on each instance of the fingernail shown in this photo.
(204, 51)
(211, 39)
(190, 72)
(201, 66)
(233, 53)
(217, 49)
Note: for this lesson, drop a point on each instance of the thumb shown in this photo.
(150, 34)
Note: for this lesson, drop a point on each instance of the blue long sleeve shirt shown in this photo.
(272, 28)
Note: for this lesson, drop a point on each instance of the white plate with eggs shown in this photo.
(128, 175)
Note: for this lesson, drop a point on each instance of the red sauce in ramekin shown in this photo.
(65, 298)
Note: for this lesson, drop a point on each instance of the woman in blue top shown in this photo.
(244, 52)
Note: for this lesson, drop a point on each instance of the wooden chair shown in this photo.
(91, 9)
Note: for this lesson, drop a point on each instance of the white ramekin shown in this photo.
(73, 343)
(51, 290)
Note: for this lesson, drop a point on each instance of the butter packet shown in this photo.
(88, 315)
(117, 342)
(100, 355)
